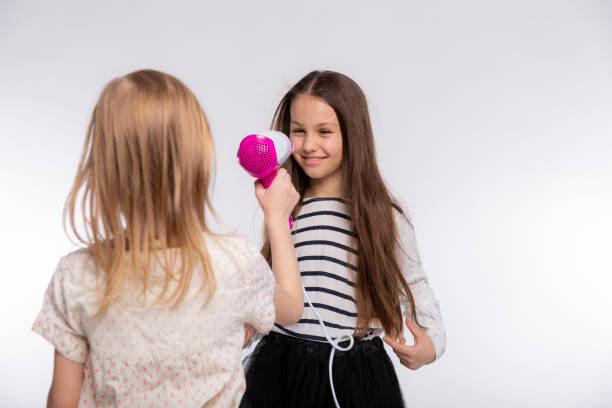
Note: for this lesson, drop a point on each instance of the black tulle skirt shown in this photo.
(285, 371)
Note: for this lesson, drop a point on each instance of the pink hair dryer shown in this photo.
(260, 153)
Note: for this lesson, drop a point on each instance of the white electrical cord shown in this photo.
(335, 343)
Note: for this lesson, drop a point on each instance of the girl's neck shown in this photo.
(330, 186)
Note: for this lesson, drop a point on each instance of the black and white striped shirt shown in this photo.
(327, 258)
(326, 249)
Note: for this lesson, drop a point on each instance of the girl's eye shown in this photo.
(325, 131)
(297, 131)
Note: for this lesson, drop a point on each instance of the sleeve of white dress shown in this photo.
(426, 305)
(59, 321)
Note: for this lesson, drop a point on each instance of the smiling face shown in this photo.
(317, 139)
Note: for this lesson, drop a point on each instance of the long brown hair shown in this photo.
(143, 186)
(370, 205)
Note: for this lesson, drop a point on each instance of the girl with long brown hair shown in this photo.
(358, 259)
(152, 311)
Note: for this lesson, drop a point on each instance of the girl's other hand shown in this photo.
(414, 357)
(279, 199)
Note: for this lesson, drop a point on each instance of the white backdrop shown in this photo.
(493, 123)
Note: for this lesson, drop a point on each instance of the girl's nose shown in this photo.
(309, 143)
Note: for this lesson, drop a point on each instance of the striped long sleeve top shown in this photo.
(327, 257)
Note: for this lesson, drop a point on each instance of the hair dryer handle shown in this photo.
(265, 182)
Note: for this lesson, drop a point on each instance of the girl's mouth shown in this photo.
(312, 159)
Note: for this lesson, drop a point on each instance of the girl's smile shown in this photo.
(312, 160)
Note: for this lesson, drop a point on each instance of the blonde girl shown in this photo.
(151, 312)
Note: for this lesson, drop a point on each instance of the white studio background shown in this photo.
(493, 123)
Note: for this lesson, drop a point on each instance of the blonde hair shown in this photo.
(143, 186)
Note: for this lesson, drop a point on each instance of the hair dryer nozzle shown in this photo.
(260, 153)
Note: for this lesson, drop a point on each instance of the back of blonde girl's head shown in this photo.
(142, 186)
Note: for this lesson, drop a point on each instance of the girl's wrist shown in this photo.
(276, 221)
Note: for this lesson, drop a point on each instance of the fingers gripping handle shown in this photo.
(265, 182)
